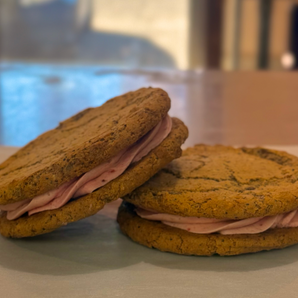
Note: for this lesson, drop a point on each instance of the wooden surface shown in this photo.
(237, 108)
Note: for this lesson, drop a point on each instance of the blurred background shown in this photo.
(180, 34)
(228, 65)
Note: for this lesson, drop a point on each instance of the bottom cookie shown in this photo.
(165, 238)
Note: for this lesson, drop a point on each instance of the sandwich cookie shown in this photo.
(90, 159)
(217, 200)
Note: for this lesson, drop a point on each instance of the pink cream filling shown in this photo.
(223, 226)
(93, 179)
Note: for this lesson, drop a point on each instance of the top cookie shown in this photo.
(223, 182)
(80, 143)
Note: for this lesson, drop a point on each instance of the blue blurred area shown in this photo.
(34, 98)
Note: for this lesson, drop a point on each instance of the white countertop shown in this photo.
(91, 258)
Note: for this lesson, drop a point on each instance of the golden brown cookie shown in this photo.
(88, 205)
(165, 238)
(81, 143)
(223, 182)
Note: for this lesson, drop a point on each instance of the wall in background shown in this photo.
(148, 33)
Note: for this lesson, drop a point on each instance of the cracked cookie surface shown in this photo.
(223, 182)
(81, 143)
(165, 238)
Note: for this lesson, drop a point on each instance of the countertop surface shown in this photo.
(92, 258)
